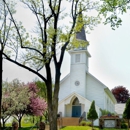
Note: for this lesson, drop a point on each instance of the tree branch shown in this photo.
(19, 35)
(25, 67)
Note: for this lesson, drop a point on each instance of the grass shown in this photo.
(30, 126)
(87, 128)
(71, 128)
(78, 128)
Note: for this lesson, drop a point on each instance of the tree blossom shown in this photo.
(37, 106)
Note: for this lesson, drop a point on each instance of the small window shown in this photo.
(77, 58)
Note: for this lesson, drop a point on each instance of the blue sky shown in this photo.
(110, 56)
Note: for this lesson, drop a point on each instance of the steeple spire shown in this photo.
(81, 35)
(79, 41)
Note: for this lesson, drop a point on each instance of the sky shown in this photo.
(109, 50)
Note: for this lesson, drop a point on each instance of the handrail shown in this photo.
(82, 117)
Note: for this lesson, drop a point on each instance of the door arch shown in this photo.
(76, 108)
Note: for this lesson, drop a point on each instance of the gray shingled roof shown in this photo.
(81, 35)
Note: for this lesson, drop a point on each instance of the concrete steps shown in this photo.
(68, 121)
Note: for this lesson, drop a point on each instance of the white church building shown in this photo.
(79, 88)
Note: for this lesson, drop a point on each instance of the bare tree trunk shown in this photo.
(53, 102)
(3, 124)
(128, 124)
(14, 126)
(20, 122)
(1, 70)
(53, 120)
(92, 124)
(52, 112)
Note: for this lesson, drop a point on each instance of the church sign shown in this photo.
(109, 121)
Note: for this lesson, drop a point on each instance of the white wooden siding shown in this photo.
(64, 89)
(95, 91)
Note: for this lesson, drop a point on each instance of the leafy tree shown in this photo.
(42, 89)
(5, 32)
(92, 114)
(20, 99)
(53, 38)
(126, 113)
(5, 105)
(112, 11)
(42, 93)
(30, 104)
(121, 94)
(17, 97)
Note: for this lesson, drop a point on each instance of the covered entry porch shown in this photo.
(73, 106)
(72, 109)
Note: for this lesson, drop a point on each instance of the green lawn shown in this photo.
(70, 128)
(78, 128)
(30, 126)
(86, 128)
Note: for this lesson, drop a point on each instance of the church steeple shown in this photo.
(80, 40)
(80, 54)
(81, 35)
(80, 32)
(79, 58)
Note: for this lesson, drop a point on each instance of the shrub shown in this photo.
(124, 125)
(85, 123)
(89, 123)
(106, 112)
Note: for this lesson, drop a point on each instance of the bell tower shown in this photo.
(79, 64)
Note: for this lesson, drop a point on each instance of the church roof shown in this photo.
(68, 99)
(81, 35)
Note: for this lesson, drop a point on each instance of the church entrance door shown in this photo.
(76, 111)
(76, 108)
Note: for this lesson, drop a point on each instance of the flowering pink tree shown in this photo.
(19, 99)
(37, 105)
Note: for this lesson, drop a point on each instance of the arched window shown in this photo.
(76, 102)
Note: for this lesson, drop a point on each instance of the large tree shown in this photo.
(5, 29)
(56, 28)
(126, 113)
(121, 94)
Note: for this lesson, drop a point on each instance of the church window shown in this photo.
(77, 58)
(76, 101)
